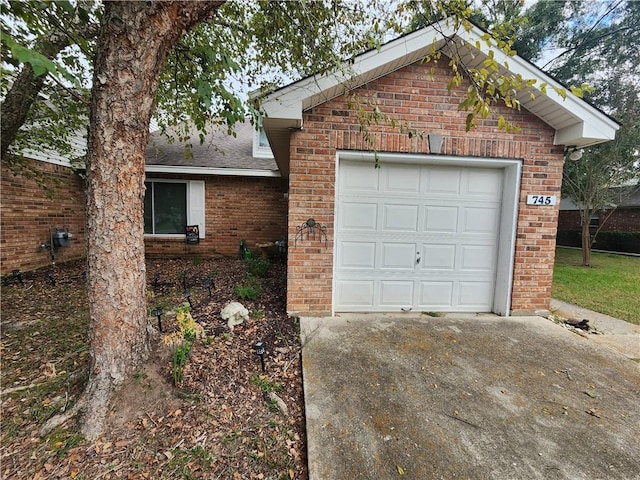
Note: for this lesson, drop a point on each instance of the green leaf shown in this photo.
(400, 469)
(469, 121)
(38, 62)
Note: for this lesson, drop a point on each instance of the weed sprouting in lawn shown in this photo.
(265, 384)
(249, 289)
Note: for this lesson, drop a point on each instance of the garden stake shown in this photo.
(187, 295)
(208, 283)
(260, 349)
(159, 315)
(16, 274)
(183, 274)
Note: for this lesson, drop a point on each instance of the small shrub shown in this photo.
(250, 289)
(258, 267)
(182, 340)
(179, 360)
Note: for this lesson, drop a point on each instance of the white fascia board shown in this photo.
(597, 127)
(237, 172)
(53, 158)
(583, 135)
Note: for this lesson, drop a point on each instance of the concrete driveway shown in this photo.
(466, 397)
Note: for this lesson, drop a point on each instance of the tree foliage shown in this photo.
(44, 86)
(603, 47)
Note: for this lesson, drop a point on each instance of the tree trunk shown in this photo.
(586, 242)
(135, 39)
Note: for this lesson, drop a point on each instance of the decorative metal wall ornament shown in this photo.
(311, 228)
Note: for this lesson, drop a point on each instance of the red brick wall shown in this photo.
(237, 208)
(622, 220)
(417, 97)
(27, 214)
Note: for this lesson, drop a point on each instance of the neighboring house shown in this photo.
(625, 218)
(229, 186)
(620, 232)
(437, 227)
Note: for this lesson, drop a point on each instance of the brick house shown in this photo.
(625, 218)
(229, 186)
(446, 223)
(619, 233)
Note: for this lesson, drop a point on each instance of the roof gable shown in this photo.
(576, 123)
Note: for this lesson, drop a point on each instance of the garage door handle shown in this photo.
(418, 257)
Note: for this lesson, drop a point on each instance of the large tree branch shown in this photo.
(27, 85)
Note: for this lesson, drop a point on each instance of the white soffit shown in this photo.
(575, 121)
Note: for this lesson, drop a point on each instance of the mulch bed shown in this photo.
(226, 419)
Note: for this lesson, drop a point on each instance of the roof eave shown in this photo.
(582, 124)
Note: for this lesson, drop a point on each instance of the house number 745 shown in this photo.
(541, 199)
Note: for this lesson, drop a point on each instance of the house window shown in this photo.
(261, 148)
(170, 205)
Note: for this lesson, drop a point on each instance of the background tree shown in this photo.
(45, 46)
(602, 46)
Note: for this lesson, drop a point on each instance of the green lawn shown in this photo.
(611, 285)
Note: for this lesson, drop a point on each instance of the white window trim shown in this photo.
(259, 151)
(195, 206)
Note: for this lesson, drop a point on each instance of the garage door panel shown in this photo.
(483, 182)
(477, 257)
(357, 255)
(400, 179)
(475, 294)
(444, 180)
(398, 256)
(435, 294)
(359, 216)
(396, 293)
(441, 219)
(402, 218)
(355, 293)
(438, 257)
(483, 220)
(354, 178)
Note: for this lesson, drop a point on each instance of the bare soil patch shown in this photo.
(226, 419)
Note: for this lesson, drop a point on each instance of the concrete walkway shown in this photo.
(466, 396)
(618, 335)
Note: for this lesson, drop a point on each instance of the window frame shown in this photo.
(258, 150)
(194, 213)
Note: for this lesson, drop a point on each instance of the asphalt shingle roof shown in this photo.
(219, 150)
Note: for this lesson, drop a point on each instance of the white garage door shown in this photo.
(416, 237)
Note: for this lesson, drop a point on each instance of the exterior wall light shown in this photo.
(435, 143)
